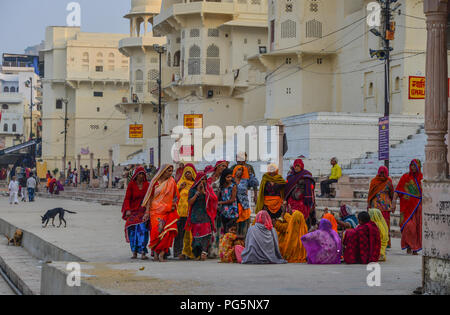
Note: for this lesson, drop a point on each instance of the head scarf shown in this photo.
(219, 163)
(278, 179)
(329, 217)
(272, 168)
(264, 218)
(418, 164)
(245, 173)
(300, 163)
(155, 179)
(346, 211)
(138, 171)
(188, 168)
(377, 217)
(379, 183)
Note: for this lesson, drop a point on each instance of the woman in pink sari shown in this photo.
(161, 203)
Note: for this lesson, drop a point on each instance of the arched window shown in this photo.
(213, 60)
(194, 60)
(169, 56)
(111, 62)
(176, 59)
(370, 93)
(5, 127)
(397, 84)
(13, 89)
(139, 76)
(5, 106)
(85, 61)
(6, 89)
(14, 128)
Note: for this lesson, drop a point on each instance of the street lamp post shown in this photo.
(30, 84)
(160, 50)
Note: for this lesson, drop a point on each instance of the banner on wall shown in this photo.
(193, 121)
(136, 131)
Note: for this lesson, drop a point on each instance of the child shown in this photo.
(227, 245)
(229, 211)
(13, 191)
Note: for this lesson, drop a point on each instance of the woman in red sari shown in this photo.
(381, 193)
(136, 229)
(409, 190)
(161, 203)
(362, 245)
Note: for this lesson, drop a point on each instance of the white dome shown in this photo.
(145, 6)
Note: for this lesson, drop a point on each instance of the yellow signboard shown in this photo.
(136, 131)
(416, 88)
(193, 121)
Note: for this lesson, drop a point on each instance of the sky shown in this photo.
(23, 22)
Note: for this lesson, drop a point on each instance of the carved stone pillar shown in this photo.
(436, 100)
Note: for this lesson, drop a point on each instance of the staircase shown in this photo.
(400, 156)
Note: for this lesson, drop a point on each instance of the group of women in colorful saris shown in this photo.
(207, 214)
(383, 196)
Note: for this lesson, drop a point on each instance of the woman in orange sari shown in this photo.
(381, 193)
(290, 232)
(161, 203)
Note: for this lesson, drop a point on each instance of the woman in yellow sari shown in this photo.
(290, 231)
(271, 192)
(161, 203)
(182, 244)
(377, 217)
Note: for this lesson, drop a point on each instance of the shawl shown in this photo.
(409, 189)
(278, 179)
(153, 183)
(377, 217)
(362, 244)
(378, 183)
(295, 177)
(261, 245)
(291, 246)
(323, 245)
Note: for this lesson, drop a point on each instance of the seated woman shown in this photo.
(348, 219)
(228, 243)
(377, 217)
(271, 192)
(290, 231)
(323, 246)
(362, 245)
(261, 243)
(300, 192)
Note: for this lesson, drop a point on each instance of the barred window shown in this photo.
(213, 51)
(213, 32)
(194, 60)
(288, 29)
(153, 88)
(176, 59)
(314, 29)
(195, 32)
(213, 60)
(153, 75)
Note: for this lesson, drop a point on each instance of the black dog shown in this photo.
(51, 214)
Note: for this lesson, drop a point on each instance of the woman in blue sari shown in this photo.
(347, 219)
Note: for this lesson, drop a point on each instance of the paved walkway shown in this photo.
(4, 288)
(96, 234)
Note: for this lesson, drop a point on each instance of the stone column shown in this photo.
(91, 175)
(436, 99)
(110, 168)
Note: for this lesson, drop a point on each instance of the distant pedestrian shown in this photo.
(13, 191)
(31, 187)
(336, 173)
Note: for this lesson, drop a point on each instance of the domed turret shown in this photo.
(145, 6)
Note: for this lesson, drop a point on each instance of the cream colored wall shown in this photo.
(65, 77)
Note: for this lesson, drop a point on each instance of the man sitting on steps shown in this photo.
(336, 173)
